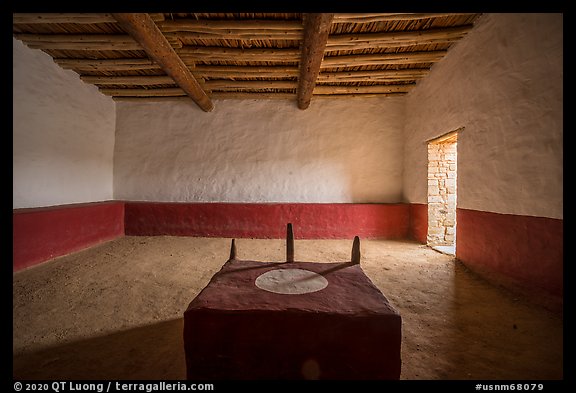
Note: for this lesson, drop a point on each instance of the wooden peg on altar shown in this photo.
(233, 250)
(356, 250)
(289, 244)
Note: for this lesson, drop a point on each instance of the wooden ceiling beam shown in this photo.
(75, 18)
(164, 92)
(106, 65)
(241, 35)
(251, 95)
(139, 80)
(370, 75)
(143, 29)
(395, 39)
(362, 79)
(218, 83)
(146, 80)
(79, 41)
(177, 92)
(316, 30)
(387, 17)
(145, 64)
(214, 53)
(359, 95)
(224, 25)
(74, 37)
(225, 85)
(383, 58)
(183, 98)
(376, 89)
(246, 71)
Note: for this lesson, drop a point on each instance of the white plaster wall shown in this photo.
(63, 134)
(503, 83)
(260, 151)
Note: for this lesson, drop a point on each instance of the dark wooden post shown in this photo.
(233, 250)
(289, 244)
(356, 250)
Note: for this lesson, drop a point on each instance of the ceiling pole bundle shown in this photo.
(208, 56)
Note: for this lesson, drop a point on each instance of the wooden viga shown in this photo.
(355, 257)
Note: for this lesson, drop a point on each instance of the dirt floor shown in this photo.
(115, 311)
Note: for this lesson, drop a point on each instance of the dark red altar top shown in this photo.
(236, 330)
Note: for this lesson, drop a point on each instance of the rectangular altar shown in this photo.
(234, 330)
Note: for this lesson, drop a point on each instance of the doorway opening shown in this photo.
(442, 170)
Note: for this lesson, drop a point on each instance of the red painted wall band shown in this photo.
(528, 250)
(419, 222)
(41, 234)
(262, 220)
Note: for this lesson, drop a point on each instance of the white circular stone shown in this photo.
(291, 281)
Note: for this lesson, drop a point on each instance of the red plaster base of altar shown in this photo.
(234, 330)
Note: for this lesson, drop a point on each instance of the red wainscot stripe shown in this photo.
(419, 222)
(40, 234)
(267, 220)
(525, 250)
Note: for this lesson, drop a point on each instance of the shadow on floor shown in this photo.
(152, 352)
(502, 335)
